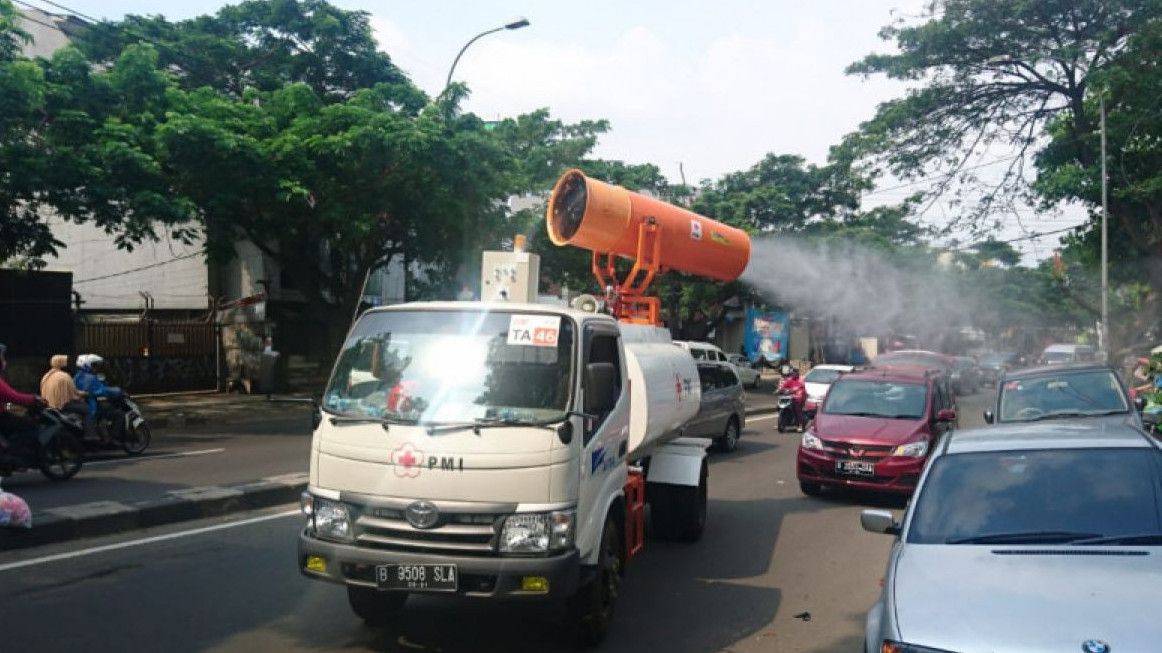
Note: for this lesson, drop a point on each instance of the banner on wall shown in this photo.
(767, 334)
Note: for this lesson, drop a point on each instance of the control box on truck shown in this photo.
(507, 450)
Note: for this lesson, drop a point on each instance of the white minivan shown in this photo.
(1057, 354)
(704, 351)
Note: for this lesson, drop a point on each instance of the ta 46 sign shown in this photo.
(534, 330)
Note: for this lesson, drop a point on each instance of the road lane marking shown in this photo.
(759, 419)
(180, 454)
(143, 541)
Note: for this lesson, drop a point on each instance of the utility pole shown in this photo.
(1105, 275)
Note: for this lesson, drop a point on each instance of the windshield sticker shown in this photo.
(534, 330)
(695, 229)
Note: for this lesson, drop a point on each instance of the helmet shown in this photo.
(794, 373)
(14, 511)
(87, 361)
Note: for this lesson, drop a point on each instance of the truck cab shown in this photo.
(480, 450)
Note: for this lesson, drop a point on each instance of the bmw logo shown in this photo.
(1094, 646)
(422, 514)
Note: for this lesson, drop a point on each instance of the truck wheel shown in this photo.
(690, 504)
(374, 607)
(591, 608)
(728, 441)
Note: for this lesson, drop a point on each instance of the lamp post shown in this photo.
(516, 23)
(1105, 276)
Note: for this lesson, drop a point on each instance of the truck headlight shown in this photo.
(810, 441)
(538, 532)
(912, 449)
(332, 519)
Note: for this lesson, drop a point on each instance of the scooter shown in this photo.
(54, 450)
(134, 435)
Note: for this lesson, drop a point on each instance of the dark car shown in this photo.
(1064, 391)
(875, 431)
(993, 366)
(917, 358)
(723, 413)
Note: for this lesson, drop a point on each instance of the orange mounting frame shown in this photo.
(629, 301)
(635, 512)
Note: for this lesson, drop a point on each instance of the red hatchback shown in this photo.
(875, 430)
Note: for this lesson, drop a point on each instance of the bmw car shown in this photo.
(1027, 538)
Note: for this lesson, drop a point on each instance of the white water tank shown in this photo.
(665, 393)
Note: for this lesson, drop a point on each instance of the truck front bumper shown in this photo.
(487, 577)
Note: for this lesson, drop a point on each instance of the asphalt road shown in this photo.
(768, 554)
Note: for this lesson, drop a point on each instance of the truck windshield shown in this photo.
(453, 366)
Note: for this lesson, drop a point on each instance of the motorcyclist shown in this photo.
(58, 389)
(794, 386)
(90, 380)
(13, 427)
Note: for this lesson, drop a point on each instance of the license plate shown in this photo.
(855, 468)
(418, 578)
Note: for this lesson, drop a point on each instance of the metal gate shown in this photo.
(154, 356)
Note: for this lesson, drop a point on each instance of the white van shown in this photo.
(703, 351)
(1058, 354)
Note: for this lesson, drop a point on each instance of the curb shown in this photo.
(109, 517)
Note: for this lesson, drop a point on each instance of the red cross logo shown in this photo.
(678, 386)
(406, 461)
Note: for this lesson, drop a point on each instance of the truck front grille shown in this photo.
(455, 533)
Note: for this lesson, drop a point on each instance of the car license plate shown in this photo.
(855, 468)
(418, 578)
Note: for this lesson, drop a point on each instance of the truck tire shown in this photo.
(374, 607)
(591, 608)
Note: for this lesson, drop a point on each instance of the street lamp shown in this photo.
(516, 23)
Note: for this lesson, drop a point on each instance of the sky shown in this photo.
(703, 88)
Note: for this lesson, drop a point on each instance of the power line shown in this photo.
(940, 176)
(71, 11)
(139, 269)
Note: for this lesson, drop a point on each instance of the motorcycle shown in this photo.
(786, 408)
(134, 435)
(54, 450)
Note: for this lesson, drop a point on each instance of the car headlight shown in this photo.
(912, 449)
(332, 519)
(538, 532)
(810, 441)
(901, 647)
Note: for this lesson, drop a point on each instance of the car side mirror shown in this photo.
(600, 386)
(946, 415)
(1140, 403)
(989, 416)
(879, 521)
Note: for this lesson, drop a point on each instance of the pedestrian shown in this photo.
(13, 427)
(58, 389)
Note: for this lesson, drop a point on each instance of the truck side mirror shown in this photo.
(600, 388)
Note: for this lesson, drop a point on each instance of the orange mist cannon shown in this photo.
(612, 222)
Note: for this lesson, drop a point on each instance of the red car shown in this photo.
(875, 431)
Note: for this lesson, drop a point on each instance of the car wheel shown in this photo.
(374, 607)
(810, 489)
(728, 441)
(755, 384)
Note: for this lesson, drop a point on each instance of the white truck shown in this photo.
(500, 449)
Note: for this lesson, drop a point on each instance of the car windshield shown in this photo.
(451, 366)
(821, 376)
(866, 398)
(998, 497)
(1095, 392)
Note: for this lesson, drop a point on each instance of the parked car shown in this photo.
(1065, 391)
(745, 370)
(1015, 539)
(1058, 354)
(722, 416)
(875, 430)
(993, 365)
(818, 380)
(703, 351)
(965, 377)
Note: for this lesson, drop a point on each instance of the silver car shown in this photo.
(1033, 538)
(722, 415)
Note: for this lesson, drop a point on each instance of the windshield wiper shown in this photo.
(386, 420)
(1025, 537)
(1144, 539)
(490, 422)
(863, 414)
